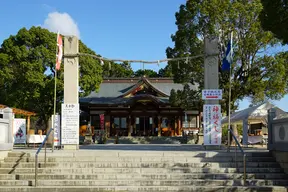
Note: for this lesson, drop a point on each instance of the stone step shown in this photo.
(110, 188)
(142, 176)
(139, 159)
(138, 165)
(108, 153)
(135, 182)
(137, 170)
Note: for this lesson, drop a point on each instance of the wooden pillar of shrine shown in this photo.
(200, 123)
(129, 126)
(175, 126)
(28, 125)
(107, 125)
(159, 126)
(179, 125)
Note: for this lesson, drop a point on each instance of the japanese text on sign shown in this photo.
(56, 121)
(212, 124)
(211, 94)
(102, 121)
(70, 124)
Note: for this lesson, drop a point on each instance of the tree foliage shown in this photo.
(146, 72)
(111, 69)
(165, 72)
(27, 62)
(254, 74)
(186, 99)
(274, 18)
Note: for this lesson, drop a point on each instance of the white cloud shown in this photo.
(62, 22)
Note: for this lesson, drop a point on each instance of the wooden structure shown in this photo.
(137, 107)
(16, 111)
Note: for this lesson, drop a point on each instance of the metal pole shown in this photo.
(55, 94)
(36, 169)
(235, 155)
(55, 90)
(244, 167)
(45, 155)
(229, 113)
(229, 100)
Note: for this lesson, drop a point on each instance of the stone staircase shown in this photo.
(90, 170)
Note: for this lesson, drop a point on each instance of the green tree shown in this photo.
(254, 75)
(27, 62)
(186, 99)
(274, 18)
(165, 72)
(111, 69)
(146, 72)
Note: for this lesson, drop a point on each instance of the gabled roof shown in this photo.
(147, 83)
(18, 111)
(115, 91)
(117, 87)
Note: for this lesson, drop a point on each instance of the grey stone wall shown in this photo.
(278, 138)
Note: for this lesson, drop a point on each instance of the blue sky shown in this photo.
(126, 29)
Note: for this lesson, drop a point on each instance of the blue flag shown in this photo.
(227, 60)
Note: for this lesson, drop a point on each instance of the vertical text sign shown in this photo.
(102, 125)
(57, 141)
(212, 124)
(70, 124)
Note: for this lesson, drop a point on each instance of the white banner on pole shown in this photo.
(57, 131)
(212, 124)
(19, 131)
(70, 124)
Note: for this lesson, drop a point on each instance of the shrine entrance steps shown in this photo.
(156, 140)
(141, 170)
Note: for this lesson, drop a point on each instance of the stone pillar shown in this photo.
(9, 115)
(8, 140)
(71, 76)
(245, 132)
(271, 116)
(6, 133)
(211, 67)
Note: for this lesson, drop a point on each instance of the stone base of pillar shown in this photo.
(70, 147)
(213, 147)
(6, 147)
(201, 138)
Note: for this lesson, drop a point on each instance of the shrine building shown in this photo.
(137, 107)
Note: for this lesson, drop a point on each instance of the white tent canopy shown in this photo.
(255, 112)
(259, 112)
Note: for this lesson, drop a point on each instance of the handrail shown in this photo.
(38, 151)
(243, 153)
